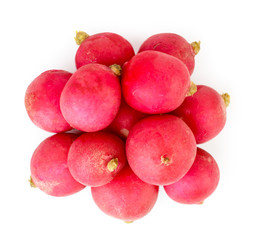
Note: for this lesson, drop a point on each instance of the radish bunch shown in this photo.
(126, 124)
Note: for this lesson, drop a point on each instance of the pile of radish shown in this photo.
(126, 124)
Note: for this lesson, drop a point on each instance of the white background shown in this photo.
(38, 35)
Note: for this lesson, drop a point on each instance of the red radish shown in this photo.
(96, 158)
(160, 149)
(49, 170)
(125, 119)
(204, 113)
(155, 82)
(173, 45)
(91, 99)
(104, 48)
(126, 197)
(199, 182)
(42, 100)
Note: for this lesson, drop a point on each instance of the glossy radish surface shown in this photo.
(42, 100)
(91, 99)
(49, 169)
(173, 45)
(104, 48)
(125, 119)
(160, 149)
(204, 113)
(199, 182)
(126, 197)
(96, 158)
(155, 82)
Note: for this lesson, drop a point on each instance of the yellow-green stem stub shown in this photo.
(80, 37)
(226, 98)
(128, 222)
(192, 90)
(116, 69)
(165, 160)
(113, 164)
(32, 184)
(196, 47)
